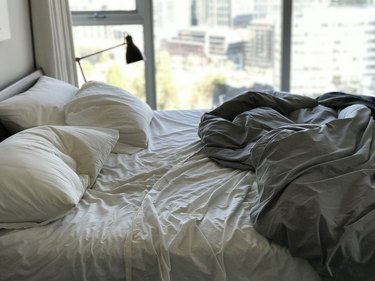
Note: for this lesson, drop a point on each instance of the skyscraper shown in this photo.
(221, 12)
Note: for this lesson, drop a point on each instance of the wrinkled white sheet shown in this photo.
(165, 213)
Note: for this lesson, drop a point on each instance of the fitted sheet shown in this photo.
(164, 213)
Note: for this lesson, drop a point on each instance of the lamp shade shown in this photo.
(133, 54)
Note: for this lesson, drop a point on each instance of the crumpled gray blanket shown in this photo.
(315, 173)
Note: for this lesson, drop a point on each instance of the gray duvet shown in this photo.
(315, 173)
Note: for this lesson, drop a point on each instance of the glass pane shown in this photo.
(102, 5)
(334, 51)
(209, 51)
(110, 66)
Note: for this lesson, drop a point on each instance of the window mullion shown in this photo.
(87, 18)
(145, 9)
(286, 44)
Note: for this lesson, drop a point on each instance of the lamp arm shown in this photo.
(78, 60)
(99, 52)
(80, 67)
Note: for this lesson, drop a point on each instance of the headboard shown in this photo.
(21, 85)
(16, 88)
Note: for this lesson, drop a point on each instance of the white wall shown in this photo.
(16, 54)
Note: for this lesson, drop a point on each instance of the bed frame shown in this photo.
(21, 85)
(14, 89)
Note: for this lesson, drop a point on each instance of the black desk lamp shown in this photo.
(133, 54)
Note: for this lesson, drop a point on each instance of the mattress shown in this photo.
(163, 213)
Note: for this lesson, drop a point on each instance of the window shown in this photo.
(200, 53)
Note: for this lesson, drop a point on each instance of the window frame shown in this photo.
(143, 15)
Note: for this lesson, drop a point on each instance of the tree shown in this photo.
(104, 58)
(167, 95)
(115, 76)
(206, 89)
(129, 80)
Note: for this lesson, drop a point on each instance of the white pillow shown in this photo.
(42, 104)
(44, 171)
(101, 105)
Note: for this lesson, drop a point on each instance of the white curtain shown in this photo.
(53, 39)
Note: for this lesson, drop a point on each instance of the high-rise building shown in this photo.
(334, 51)
(209, 43)
(352, 2)
(221, 12)
(167, 14)
(260, 44)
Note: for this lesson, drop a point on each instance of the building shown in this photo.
(218, 44)
(345, 61)
(260, 46)
(221, 12)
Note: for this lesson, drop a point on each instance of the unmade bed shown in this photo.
(164, 211)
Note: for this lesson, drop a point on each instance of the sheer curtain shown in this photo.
(53, 39)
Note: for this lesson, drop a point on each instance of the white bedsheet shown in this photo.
(165, 213)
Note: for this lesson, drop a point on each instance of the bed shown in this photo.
(165, 202)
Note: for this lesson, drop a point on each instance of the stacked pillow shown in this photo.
(42, 104)
(96, 104)
(45, 171)
(106, 106)
(62, 136)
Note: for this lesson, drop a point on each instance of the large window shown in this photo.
(200, 53)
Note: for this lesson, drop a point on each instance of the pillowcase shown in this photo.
(42, 104)
(45, 171)
(102, 105)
